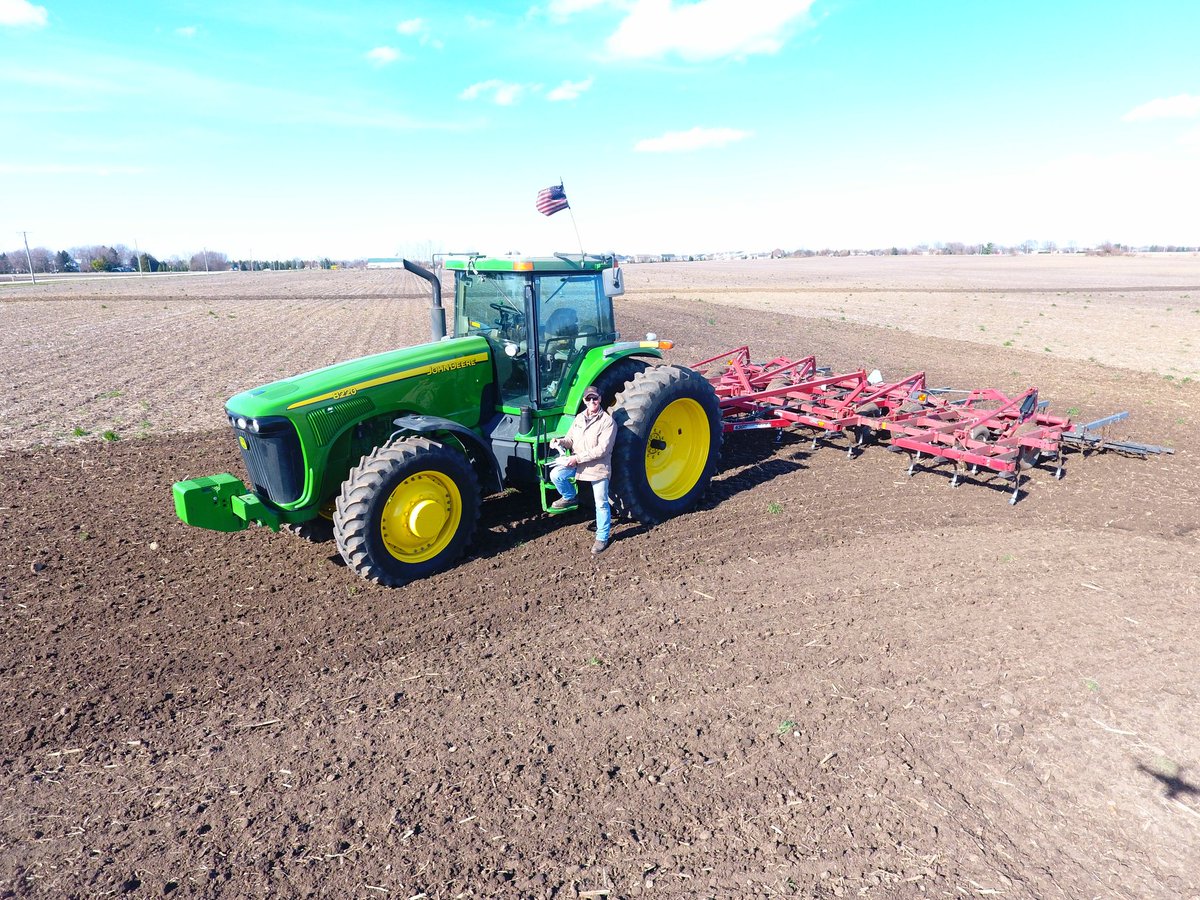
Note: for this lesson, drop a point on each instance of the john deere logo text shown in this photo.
(437, 368)
(460, 363)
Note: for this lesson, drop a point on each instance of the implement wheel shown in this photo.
(668, 442)
(406, 511)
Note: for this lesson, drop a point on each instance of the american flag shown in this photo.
(551, 200)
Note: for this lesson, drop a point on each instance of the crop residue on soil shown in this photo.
(831, 680)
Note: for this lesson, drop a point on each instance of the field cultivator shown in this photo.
(975, 431)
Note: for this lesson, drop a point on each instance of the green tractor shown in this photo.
(392, 453)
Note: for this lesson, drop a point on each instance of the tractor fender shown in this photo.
(477, 448)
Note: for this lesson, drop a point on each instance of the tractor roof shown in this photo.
(560, 262)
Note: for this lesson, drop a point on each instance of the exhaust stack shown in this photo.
(437, 314)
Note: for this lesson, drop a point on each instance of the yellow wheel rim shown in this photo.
(677, 451)
(421, 516)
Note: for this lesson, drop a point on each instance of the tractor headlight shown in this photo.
(254, 425)
(242, 423)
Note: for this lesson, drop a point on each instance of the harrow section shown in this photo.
(976, 431)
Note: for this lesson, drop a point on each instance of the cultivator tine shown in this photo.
(978, 430)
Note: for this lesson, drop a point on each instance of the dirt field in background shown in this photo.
(1137, 312)
(831, 680)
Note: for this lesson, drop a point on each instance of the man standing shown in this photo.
(590, 441)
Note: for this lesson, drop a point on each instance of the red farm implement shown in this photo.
(976, 431)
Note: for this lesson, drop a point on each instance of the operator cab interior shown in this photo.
(539, 325)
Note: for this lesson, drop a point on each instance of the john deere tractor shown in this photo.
(392, 453)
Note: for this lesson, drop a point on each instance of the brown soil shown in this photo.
(830, 680)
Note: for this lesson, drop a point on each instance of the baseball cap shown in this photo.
(592, 391)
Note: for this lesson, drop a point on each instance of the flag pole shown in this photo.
(573, 223)
(577, 237)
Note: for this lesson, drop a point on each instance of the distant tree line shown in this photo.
(103, 258)
(119, 258)
(957, 248)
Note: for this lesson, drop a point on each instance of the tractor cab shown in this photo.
(540, 317)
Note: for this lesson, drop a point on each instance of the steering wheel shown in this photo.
(510, 324)
(507, 311)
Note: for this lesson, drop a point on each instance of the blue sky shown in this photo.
(361, 128)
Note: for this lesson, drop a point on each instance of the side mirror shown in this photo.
(614, 282)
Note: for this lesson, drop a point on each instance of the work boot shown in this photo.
(562, 503)
(599, 547)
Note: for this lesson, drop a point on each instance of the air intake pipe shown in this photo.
(437, 315)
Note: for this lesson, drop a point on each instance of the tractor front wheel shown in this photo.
(668, 443)
(406, 511)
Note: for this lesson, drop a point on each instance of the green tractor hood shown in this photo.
(296, 434)
(371, 375)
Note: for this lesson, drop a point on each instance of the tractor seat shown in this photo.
(563, 323)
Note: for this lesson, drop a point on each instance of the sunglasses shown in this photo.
(591, 399)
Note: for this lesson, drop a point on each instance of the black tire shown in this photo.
(663, 464)
(616, 378)
(426, 479)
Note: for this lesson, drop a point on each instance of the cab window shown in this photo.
(493, 305)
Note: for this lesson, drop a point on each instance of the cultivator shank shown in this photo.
(976, 431)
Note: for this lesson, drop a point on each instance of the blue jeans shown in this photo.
(562, 475)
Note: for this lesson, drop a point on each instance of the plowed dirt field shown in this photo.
(830, 680)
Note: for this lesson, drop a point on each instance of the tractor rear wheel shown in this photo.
(668, 443)
(406, 511)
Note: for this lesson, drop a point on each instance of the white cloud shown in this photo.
(503, 93)
(187, 31)
(475, 23)
(420, 30)
(1182, 106)
(126, 77)
(706, 29)
(693, 139)
(21, 12)
(561, 9)
(382, 56)
(569, 90)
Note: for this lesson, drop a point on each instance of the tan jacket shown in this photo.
(591, 443)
